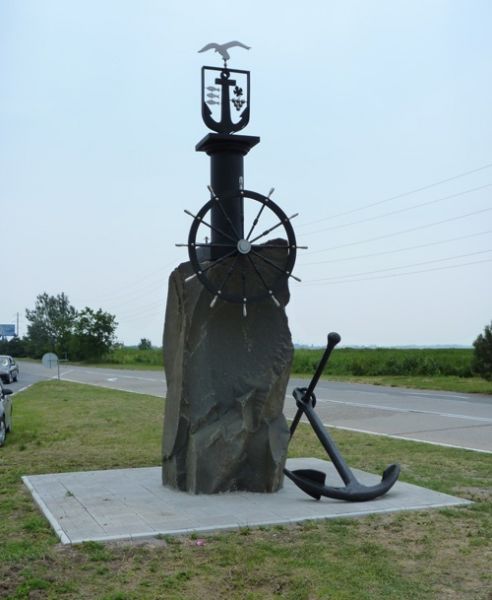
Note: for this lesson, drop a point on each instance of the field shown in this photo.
(438, 369)
(61, 426)
(345, 361)
(388, 361)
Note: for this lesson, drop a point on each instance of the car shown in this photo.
(9, 369)
(5, 413)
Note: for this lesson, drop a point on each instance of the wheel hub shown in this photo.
(244, 246)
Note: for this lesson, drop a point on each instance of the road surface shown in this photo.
(461, 420)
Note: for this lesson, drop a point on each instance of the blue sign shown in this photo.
(7, 330)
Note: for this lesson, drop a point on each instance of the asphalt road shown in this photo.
(461, 420)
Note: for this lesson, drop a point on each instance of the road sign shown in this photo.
(49, 360)
(7, 330)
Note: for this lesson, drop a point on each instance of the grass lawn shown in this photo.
(61, 426)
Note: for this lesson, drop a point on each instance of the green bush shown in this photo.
(134, 356)
(482, 354)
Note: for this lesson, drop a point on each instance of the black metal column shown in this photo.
(226, 176)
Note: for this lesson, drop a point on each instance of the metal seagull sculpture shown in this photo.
(223, 48)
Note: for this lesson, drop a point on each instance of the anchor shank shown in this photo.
(333, 339)
(328, 444)
(225, 108)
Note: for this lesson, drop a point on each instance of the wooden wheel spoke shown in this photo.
(212, 227)
(243, 281)
(255, 222)
(257, 271)
(274, 265)
(224, 281)
(229, 273)
(218, 261)
(261, 246)
(270, 292)
(267, 231)
(206, 245)
(228, 219)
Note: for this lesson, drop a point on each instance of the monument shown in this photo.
(227, 344)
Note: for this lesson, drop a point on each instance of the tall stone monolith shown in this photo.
(224, 428)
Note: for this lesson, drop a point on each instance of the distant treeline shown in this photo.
(346, 361)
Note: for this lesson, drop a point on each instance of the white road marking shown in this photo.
(409, 410)
(395, 436)
(431, 395)
(62, 374)
(409, 393)
(121, 376)
(408, 439)
(404, 410)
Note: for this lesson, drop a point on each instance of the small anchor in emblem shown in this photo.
(220, 93)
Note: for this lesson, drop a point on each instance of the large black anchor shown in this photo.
(313, 482)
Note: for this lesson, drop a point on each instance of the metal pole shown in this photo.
(227, 154)
(226, 173)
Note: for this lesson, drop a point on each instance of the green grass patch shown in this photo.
(61, 426)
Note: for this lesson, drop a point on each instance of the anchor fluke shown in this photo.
(308, 480)
(312, 482)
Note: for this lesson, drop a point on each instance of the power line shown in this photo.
(418, 264)
(395, 250)
(404, 274)
(400, 210)
(402, 231)
(138, 309)
(398, 196)
(136, 295)
(145, 314)
(123, 291)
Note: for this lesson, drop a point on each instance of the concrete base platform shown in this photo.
(133, 504)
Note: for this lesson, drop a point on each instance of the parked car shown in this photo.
(9, 369)
(5, 413)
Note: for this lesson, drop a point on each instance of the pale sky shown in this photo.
(356, 102)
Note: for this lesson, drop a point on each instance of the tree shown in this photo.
(93, 334)
(482, 356)
(145, 344)
(14, 347)
(51, 324)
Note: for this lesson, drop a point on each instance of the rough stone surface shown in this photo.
(224, 428)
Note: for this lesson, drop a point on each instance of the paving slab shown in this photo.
(121, 504)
